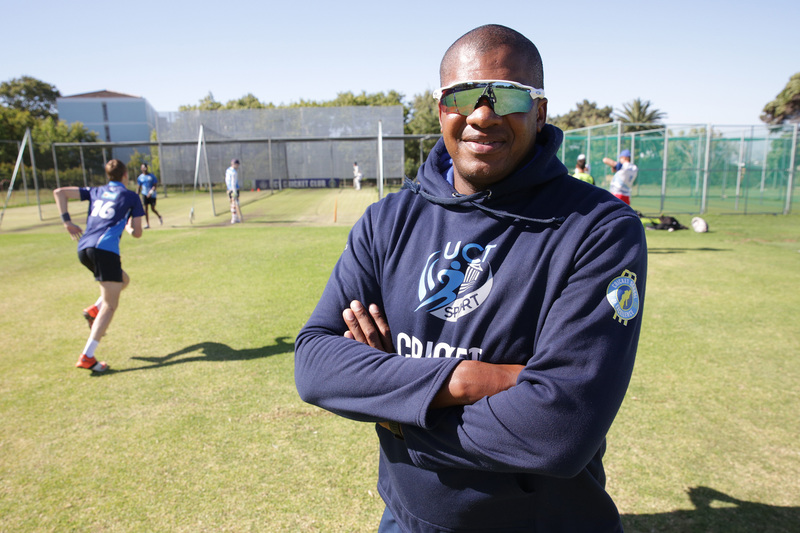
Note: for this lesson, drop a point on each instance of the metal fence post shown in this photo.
(55, 165)
(739, 173)
(380, 159)
(664, 169)
(793, 163)
(24, 176)
(83, 168)
(589, 149)
(764, 163)
(704, 200)
(33, 169)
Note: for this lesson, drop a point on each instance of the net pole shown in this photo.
(764, 163)
(589, 149)
(706, 164)
(14, 176)
(83, 167)
(696, 151)
(380, 159)
(55, 165)
(33, 169)
(208, 176)
(24, 176)
(739, 173)
(269, 148)
(792, 165)
(664, 169)
(196, 171)
(161, 169)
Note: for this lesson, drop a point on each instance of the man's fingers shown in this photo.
(354, 330)
(75, 231)
(367, 325)
(383, 327)
(380, 320)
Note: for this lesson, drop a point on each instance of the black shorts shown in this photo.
(105, 265)
(149, 201)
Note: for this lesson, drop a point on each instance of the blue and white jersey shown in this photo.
(147, 181)
(110, 207)
(232, 179)
(623, 179)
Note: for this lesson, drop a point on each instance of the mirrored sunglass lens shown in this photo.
(512, 100)
(462, 101)
(507, 100)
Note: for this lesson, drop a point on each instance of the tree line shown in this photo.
(27, 102)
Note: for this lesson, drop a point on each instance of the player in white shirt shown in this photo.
(232, 183)
(624, 176)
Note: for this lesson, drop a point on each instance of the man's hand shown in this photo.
(134, 227)
(74, 230)
(370, 328)
(474, 380)
(470, 380)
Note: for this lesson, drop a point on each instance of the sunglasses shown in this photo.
(505, 97)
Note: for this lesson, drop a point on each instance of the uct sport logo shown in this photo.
(455, 281)
(623, 297)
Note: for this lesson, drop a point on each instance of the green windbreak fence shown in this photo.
(682, 168)
(696, 168)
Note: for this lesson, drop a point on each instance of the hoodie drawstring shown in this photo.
(472, 199)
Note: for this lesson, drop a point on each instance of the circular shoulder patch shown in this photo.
(623, 297)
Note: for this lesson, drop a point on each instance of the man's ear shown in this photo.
(541, 115)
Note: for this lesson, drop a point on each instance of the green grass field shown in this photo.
(199, 426)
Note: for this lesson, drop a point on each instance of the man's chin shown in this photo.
(482, 177)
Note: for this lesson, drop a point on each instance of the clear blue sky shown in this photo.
(698, 61)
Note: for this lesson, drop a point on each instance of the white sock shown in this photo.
(99, 303)
(91, 346)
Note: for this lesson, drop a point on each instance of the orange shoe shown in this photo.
(90, 313)
(91, 363)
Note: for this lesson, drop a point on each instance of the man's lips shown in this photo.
(483, 146)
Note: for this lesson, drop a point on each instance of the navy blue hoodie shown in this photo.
(542, 270)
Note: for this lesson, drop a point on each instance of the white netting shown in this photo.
(281, 144)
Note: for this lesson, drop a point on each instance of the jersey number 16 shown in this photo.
(103, 209)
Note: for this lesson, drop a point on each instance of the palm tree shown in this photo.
(638, 112)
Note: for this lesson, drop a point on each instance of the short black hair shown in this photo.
(490, 36)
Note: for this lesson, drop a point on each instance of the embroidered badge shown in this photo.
(623, 297)
(456, 280)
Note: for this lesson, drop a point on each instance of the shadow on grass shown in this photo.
(684, 250)
(716, 512)
(212, 351)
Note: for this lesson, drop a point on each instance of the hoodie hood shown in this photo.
(434, 179)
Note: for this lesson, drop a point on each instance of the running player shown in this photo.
(147, 185)
(112, 209)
